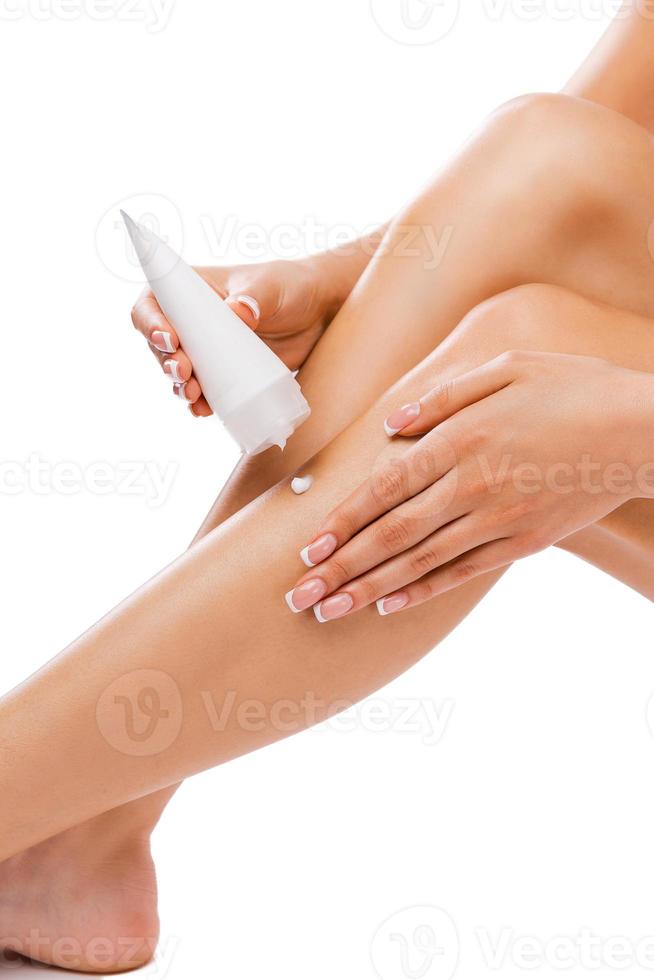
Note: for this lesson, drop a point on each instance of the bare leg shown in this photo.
(437, 299)
(224, 637)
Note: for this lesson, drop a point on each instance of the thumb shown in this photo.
(255, 297)
(246, 307)
(252, 294)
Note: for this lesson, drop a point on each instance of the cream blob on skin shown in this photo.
(300, 484)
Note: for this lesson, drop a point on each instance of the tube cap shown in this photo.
(269, 418)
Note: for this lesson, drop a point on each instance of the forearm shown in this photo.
(619, 72)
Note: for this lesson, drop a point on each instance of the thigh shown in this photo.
(552, 189)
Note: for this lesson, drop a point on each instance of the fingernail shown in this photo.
(305, 595)
(397, 420)
(334, 607)
(392, 603)
(172, 368)
(320, 549)
(180, 391)
(163, 342)
(251, 304)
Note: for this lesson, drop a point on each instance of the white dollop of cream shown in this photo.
(300, 484)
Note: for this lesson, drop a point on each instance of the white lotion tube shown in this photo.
(248, 387)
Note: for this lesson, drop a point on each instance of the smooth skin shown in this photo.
(518, 454)
(64, 772)
(195, 624)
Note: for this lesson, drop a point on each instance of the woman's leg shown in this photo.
(223, 657)
(552, 190)
(352, 349)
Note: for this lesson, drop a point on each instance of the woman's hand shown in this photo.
(289, 304)
(518, 454)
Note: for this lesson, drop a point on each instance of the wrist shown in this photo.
(337, 271)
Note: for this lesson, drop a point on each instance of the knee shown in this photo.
(528, 317)
(556, 152)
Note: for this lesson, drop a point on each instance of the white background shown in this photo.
(532, 815)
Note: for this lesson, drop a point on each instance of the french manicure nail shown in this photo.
(334, 607)
(172, 368)
(163, 341)
(180, 391)
(318, 550)
(251, 304)
(392, 603)
(305, 595)
(397, 420)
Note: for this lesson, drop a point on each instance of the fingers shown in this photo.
(384, 581)
(391, 484)
(393, 534)
(189, 391)
(487, 558)
(185, 385)
(446, 399)
(149, 320)
(200, 408)
(177, 366)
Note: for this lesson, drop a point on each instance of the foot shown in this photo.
(85, 900)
